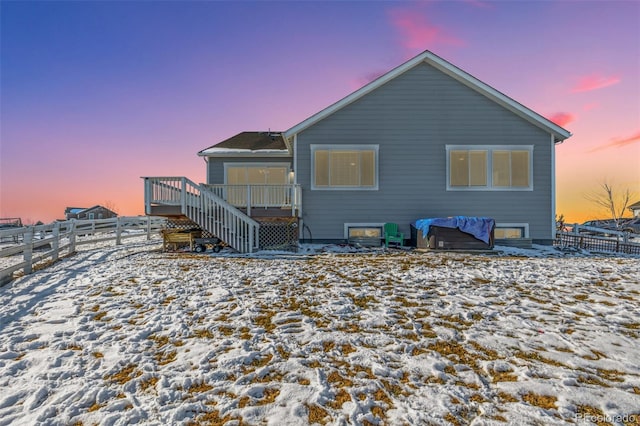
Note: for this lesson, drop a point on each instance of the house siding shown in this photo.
(412, 118)
(215, 166)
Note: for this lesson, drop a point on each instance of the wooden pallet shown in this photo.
(177, 237)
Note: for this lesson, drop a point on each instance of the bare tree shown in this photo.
(111, 206)
(613, 201)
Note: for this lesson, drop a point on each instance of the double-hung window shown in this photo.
(494, 167)
(344, 167)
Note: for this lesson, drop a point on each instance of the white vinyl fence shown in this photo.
(21, 248)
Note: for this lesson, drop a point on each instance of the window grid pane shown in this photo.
(478, 168)
(520, 168)
(322, 168)
(459, 168)
(236, 176)
(501, 168)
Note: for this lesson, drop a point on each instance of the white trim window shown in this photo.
(256, 173)
(511, 230)
(364, 230)
(339, 167)
(489, 167)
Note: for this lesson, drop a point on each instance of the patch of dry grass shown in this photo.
(317, 414)
(548, 402)
(148, 383)
(121, 377)
(335, 378)
(535, 356)
(203, 333)
(165, 357)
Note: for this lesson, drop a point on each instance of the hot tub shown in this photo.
(453, 233)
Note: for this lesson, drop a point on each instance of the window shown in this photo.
(255, 174)
(366, 234)
(362, 232)
(267, 181)
(489, 167)
(511, 230)
(344, 167)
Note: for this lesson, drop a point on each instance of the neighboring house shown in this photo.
(635, 209)
(82, 213)
(424, 140)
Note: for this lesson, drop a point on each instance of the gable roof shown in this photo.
(248, 143)
(98, 207)
(74, 210)
(451, 70)
(80, 210)
(635, 206)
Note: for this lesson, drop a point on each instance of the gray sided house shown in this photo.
(83, 213)
(424, 140)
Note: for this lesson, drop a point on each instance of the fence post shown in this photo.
(55, 245)
(72, 236)
(148, 227)
(118, 231)
(28, 250)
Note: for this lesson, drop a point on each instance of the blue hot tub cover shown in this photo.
(479, 227)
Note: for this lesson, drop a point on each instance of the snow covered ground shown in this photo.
(127, 334)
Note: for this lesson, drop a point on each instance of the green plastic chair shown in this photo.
(391, 234)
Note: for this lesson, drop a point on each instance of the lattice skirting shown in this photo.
(186, 223)
(279, 234)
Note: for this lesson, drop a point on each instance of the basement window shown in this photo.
(515, 230)
(366, 234)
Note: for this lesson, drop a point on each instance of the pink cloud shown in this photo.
(594, 82)
(367, 78)
(590, 106)
(418, 33)
(619, 142)
(562, 118)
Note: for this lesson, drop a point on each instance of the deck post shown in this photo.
(147, 195)
(251, 235)
(148, 227)
(248, 200)
(183, 194)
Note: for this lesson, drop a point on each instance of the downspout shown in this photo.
(295, 159)
(553, 188)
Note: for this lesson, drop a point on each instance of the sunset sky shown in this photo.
(95, 95)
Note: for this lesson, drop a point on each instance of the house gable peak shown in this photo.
(559, 133)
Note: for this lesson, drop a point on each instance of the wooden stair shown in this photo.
(171, 196)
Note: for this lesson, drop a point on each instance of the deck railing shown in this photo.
(163, 190)
(261, 196)
(205, 208)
